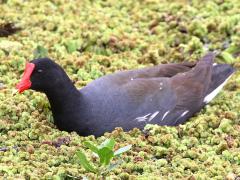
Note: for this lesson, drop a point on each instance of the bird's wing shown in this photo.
(190, 89)
(164, 70)
(159, 71)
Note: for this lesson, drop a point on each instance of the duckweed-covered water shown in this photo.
(93, 38)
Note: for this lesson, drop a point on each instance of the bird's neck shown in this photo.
(63, 97)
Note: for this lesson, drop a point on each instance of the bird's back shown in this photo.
(128, 99)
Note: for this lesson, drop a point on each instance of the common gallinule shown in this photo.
(166, 94)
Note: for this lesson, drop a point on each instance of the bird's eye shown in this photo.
(39, 70)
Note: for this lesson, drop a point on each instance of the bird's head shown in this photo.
(41, 75)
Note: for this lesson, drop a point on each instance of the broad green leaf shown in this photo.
(105, 155)
(228, 58)
(122, 150)
(71, 46)
(91, 146)
(109, 143)
(232, 49)
(40, 52)
(84, 162)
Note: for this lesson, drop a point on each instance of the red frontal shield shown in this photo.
(25, 82)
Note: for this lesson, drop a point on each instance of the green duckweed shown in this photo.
(94, 38)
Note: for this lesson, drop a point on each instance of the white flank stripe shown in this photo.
(153, 116)
(165, 114)
(210, 96)
(184, 113)
(142, 118)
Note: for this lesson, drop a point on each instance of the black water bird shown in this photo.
(167, 94)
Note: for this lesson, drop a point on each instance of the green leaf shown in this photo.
(91, 146)
(84, 162)
(71, 46)
(228, 58)
(122, 150)
(232, 49)
(105, 155)
(40, 52)
(109, 143)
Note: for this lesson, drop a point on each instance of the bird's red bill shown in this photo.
(25, 82)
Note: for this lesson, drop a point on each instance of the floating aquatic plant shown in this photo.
(109, 36)
(105, 153)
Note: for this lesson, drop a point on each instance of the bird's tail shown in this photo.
(220, 75)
